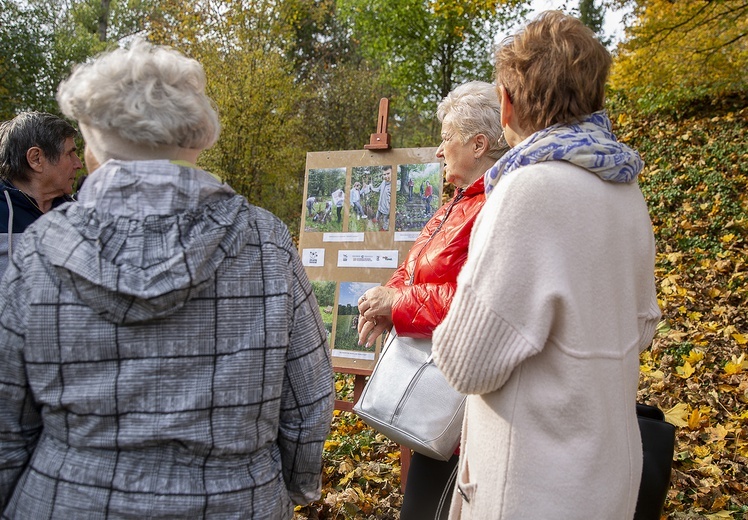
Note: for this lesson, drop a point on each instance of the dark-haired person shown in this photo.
(556, 299)
(38, 165)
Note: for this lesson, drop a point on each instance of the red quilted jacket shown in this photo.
(436, 257)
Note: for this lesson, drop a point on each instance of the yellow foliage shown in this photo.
(686, 370)
(718, 433)
(736, 365)
(694, 356)
(694, 420)
(687, 47)
(701, 451)
(678, 415)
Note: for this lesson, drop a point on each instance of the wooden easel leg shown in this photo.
(404, 466)
(359, 382)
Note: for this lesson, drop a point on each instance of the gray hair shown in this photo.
(146, 94)
(25, 131)
(473, 108)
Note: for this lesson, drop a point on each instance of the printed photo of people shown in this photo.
(418, 195)
(371, 192)
(346, 331)
(325, 294)
(325, 200)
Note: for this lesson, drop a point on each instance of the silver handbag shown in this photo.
(408, 400)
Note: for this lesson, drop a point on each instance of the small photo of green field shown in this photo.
(346, 329)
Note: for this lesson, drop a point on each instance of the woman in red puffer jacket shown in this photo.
(417, 297)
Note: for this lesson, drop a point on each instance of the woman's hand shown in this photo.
(370, 330)
(375, 307)
(377, 301)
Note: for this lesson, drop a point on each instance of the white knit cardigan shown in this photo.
(553, 306)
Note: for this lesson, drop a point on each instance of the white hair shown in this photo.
(473, 108)
(147, 94)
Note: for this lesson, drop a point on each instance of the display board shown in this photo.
(362, 212)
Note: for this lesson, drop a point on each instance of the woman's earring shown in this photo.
(502, 141)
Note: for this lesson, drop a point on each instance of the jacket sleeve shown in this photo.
(421, 307)
(503, 308)
(308, 396)
(20, 418)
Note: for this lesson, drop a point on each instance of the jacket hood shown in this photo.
(144, 238)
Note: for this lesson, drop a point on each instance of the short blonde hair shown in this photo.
(473, 108)
(554, 71)
(145, 94)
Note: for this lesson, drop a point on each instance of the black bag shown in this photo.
(658, 443)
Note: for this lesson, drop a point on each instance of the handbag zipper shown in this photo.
(414, 380)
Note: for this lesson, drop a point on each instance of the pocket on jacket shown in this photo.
(465, 488)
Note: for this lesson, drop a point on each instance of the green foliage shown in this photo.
(276, 100)
(22, 61)
(41, 40)
(593, 16)
(325, 292)
(242, 47)
(345, 89)
(342, 113)
(425, 49)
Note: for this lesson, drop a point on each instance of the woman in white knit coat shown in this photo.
(557, 297)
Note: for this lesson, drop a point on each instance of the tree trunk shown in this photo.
(103, 20)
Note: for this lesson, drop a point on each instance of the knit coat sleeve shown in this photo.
(20, 418)
(308, 396)
(484, 336)
(540, 269)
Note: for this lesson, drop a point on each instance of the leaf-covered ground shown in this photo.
(696, 185)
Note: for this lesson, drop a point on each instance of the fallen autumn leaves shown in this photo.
(696, 186)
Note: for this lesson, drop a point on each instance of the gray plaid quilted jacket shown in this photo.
(161, 356)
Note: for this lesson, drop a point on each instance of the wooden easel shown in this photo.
(381, 139)
(359, 381)
(378, 141)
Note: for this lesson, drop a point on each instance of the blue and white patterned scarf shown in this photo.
(589, 144)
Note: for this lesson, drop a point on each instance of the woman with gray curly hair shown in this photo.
(418, 295)
(161, 350)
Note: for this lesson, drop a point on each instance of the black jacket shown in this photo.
(25, 212)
